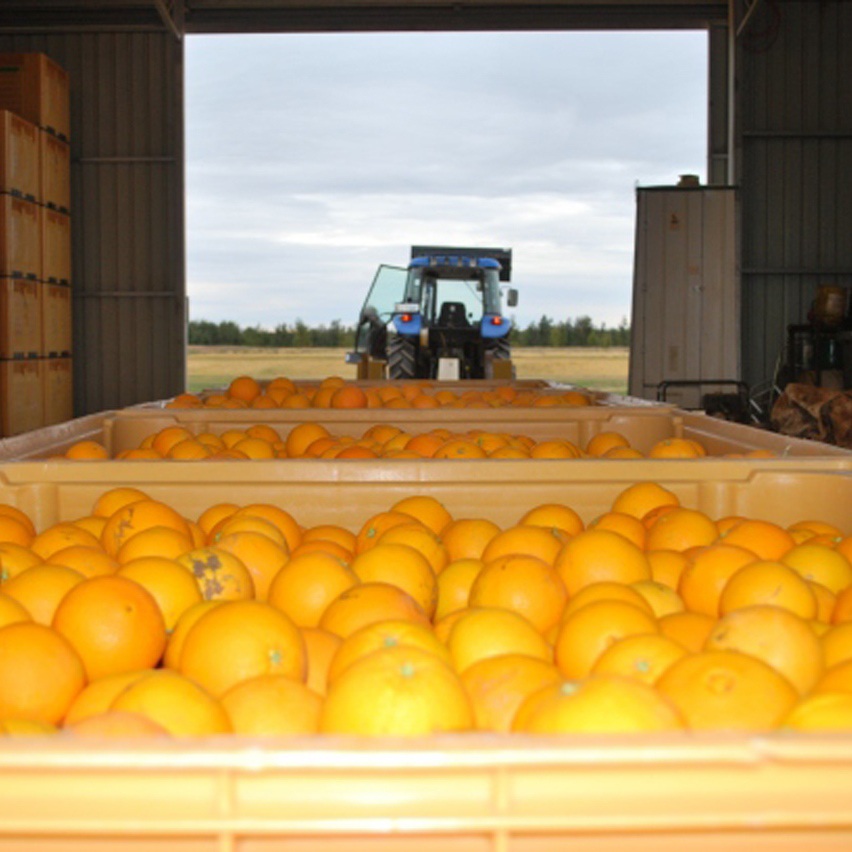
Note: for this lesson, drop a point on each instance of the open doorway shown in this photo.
(311, 159)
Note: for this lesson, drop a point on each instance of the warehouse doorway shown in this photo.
(311, 159)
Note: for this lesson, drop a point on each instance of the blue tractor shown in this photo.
(439, 318)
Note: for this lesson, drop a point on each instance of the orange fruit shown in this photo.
(116, 723)
(365, 603)
(681, 529)
(188, 450)
(304, 586)
(837, 678)
(727, 690)
(607, 590)
(177, 703)
(400, 691)
(586, 633)
(280, 518)
(643, 656)
(87, 451)
(26, 728)
(841, 609)
(110, 501)
(40, 673)
(555, 516)
(454, 584)
(620, 522)
(220, 575)
(524, 584)
(135, 517)
(332, 548)
(170, 584)
(12, 611)
(15, 558)
(261, 555)
(640, 498)
(169, 437)
(676, 448)
(662, 599)
(422, 539)
(41, 588)
(459, 448)
(764, 538)
(482, 632)
(242, 639)
(768, 582)
(388, 633)
(430, 511)
(113, 623)
(91, 523)
(16, 514)
(594, 556)
(497, 686)
(300, 437)
(524, 540)
(330, 532)
(376, 525)
(165, 542)
(776, 636)
(97, 696)
(174, 645)
(89, 561)
(14, 531)
(820, 563)
(321, 646)
(244, 387)
(348, 397)
(272, 705)
(58, 537)
(703, 580)
(828, 711)
(604, 441)
(825, 601)
(402, 566)
(837, 644)
(690, 629)
(466, 538)
(599, 704)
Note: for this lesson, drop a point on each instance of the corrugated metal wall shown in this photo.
(794, 71)
(127, 208)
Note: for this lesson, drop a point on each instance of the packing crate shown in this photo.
(20, 237)
(56, 332)
(19, 156)
(55, 246)
(54, 172)
(21, 396)
(37, 88)
(20, 318)
(58, 386)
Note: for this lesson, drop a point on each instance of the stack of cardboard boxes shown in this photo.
(35, 244)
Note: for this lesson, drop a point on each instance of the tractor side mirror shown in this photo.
(512, 297)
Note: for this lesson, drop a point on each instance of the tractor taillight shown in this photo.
(406, 317)
(496, 320)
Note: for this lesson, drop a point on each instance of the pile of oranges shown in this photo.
(312, 439)
(336, 392)
(138, 620)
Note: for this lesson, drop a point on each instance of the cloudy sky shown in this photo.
(311, 159)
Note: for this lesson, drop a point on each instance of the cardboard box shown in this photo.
(55, 246)
(56, 326)
(19, 156)
(21, 396)
(37, 88)
(20, 237)
(20, 318)
(58, 389)
(54, 172)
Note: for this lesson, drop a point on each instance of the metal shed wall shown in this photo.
(127, 211)
(794, 115)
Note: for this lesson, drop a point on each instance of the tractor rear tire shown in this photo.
(402, 358)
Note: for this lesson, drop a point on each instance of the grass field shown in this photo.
(215, 366)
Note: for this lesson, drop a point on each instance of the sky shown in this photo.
(312, 159)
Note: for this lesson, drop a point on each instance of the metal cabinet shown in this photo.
(686, 299)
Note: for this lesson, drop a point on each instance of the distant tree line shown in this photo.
(546, 332)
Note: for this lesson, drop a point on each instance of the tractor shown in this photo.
(438, 318)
